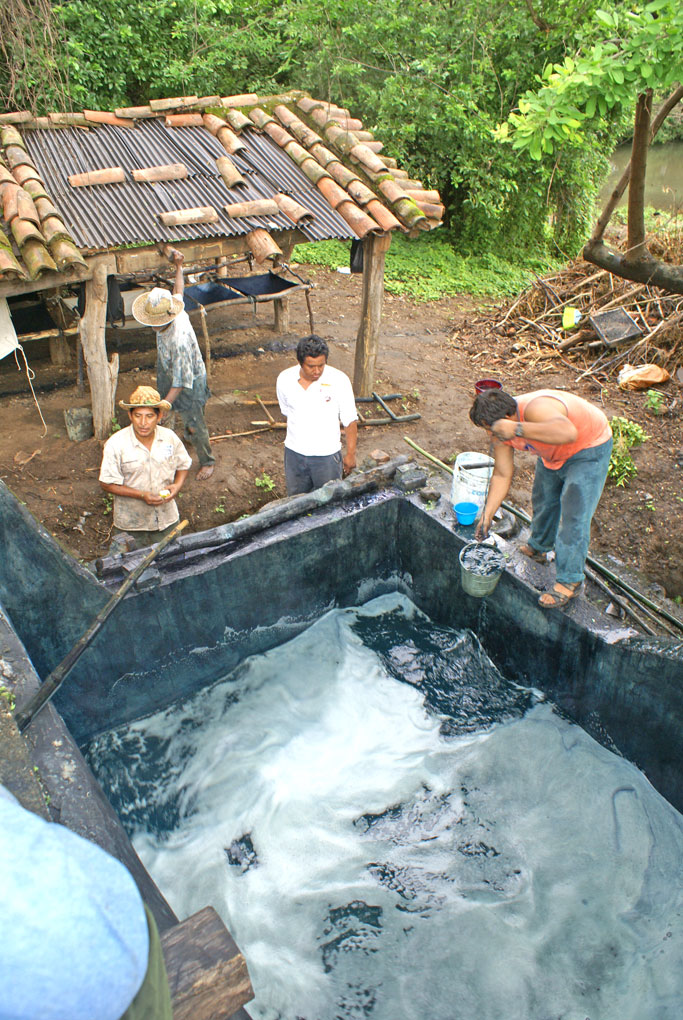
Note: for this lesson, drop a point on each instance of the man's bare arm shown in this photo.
(351, 434)
(545, 420)
(501, 479)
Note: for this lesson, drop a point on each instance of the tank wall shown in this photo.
(164, 643)
(201, 620)
(626, 692)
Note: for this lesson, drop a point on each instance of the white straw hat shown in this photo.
(145, 396)
(157, 307)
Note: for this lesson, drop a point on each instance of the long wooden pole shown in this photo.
(25, 716)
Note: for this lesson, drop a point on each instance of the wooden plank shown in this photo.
(374, 251)
(9, 288)
(207, 974)
(135, 260)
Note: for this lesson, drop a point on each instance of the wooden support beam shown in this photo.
(375, 248)
(150, 259)
(48, 281)
(207, 974)
(102, 373)
(60, 353)
(281, 316)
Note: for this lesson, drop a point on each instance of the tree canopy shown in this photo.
(435, 79)
(639, 51)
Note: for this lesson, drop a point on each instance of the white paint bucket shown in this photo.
(470, 484)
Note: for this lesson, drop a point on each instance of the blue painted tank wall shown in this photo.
(164, 643)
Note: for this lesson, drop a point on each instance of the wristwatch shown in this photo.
(519, 430)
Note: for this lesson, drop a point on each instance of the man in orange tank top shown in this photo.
(572, 439)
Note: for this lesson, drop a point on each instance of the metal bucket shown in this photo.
(480, 585)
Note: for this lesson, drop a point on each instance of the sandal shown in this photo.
(558, 597)
(533, 554)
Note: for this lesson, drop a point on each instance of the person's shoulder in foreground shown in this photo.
(73, 929)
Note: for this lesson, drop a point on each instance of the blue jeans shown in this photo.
(564, 502)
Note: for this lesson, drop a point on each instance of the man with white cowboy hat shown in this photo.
(144, 467)
(181, 373)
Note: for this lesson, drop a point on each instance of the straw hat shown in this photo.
(157, 307)
(145, 396)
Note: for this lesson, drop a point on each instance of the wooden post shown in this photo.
(207, 974)
(374, 251)
(207, 342)
(102, 374)
(281, 318)
(59, 350)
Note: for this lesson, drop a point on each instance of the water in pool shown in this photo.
(393, 831)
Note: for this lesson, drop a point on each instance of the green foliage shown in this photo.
(626, 434)
(428, 268)
(7, 696)
(433, 80)
(654, 401)
(639, 47)
(121, 54)
(265, 482)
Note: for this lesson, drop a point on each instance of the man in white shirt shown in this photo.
(181, 373)
(316, 399)
(144, 467)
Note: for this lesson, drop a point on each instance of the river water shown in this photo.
(393, 831)
(663, 180)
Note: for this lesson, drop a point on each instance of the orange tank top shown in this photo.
(590, 422)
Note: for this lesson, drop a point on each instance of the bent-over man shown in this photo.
(144, 467)
(181, 373)
(315, 399)
(572, 439)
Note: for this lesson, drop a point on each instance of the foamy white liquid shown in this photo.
(526, 874)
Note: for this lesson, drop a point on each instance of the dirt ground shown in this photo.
(429, 353)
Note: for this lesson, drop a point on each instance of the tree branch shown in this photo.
(646, 269)
(636, 247)
(538, 21)
(606, 214)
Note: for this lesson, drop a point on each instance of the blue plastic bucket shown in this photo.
(466, 512)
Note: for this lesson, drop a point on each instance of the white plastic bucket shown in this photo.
(470, 485)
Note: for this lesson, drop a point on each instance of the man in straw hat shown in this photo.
(181, 373)
(144, 467)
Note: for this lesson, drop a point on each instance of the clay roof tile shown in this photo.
(344, 164)
(332, 192)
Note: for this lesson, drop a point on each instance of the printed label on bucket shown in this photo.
(470, 483)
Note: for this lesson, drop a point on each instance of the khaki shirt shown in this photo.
(125, 461)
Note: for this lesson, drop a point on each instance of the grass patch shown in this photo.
(428, 268)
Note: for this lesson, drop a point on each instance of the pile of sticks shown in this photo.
(534, 321)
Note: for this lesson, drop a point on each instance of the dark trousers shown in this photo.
(564, 502)
(303, 474)
(190, 406)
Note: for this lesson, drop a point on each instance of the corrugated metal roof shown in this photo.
(116, 214)
(308, 150)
